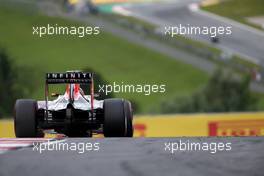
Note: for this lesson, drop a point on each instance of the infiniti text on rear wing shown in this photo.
(69, 78)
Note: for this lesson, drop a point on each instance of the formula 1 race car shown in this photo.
(73, 113)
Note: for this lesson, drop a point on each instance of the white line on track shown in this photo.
(15, 145)
(25, 139)
(7, 144)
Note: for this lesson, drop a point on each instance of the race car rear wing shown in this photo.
(69, 78)
(72, 77)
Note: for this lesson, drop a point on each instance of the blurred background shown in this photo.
(214, 86)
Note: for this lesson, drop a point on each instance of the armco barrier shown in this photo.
(218, 124)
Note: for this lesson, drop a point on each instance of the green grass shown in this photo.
(238, 10)
(260, 98)
(238, 60)
(114, 58)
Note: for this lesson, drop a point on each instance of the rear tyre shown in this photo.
(25, 119)
(129, 118)
(117, 118)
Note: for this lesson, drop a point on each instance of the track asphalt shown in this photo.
(139, 157)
